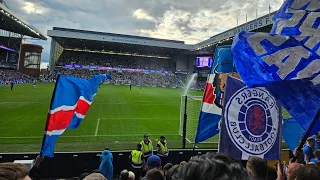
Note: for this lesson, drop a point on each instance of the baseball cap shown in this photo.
(153, 161)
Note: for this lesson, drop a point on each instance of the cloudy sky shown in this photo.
(189, 20)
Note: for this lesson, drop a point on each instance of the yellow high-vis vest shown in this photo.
(164, 149)
(136, 159)
(146, 148)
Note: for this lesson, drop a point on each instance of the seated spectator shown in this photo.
(292, 169)
(308, 172)
(257, 168)
(13, 171)
(153, 162)
(316, 158)
(166, 168)
(154, 174)
(308, 150)
(106, 166)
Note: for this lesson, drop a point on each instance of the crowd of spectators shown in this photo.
(13, 76)
(210, 166)
(133, 78)
(113, 60)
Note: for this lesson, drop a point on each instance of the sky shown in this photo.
(189, 20)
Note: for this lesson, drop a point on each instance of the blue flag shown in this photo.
(286, 61)
(70, 102)
(292, 133)
(251, 124)
(210, 114)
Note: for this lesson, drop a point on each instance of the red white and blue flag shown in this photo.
(211, 109)
(70, 103)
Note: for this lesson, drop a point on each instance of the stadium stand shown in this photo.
(8, 75)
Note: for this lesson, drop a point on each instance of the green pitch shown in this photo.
(117, 118)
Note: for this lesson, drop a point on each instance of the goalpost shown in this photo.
(191, 106)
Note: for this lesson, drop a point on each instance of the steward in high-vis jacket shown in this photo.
(137, 162)
(147, 147)
(162, 151)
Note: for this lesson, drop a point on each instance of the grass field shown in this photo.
(118, 118)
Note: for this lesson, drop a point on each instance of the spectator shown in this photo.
(153, 162)
(162, 150)
(308, 172)
(308, 150)
(299, 156)
(317, 140)
(206, 167)
(124, 175)
(316, 158)
(13, 171)
(257, 168)
(132, 175)
(95, 176)
(169, 174)
(106, 166)
(292, 169)
(166, 168)
(154, 174)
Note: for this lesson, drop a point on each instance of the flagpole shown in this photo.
(306, 135)
(48, 116)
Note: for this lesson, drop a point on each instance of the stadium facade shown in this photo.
(183, 55)
(12, 32)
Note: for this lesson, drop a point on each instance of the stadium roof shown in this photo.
(11, 22)
(110, 42)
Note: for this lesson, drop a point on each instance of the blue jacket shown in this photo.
(106, 166)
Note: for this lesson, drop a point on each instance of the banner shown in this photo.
(13, 57)
(251, 122)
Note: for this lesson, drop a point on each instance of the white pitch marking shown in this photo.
(107, 135)
(141, 118)
(97, 127)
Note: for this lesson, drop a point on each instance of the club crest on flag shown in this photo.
(251, 117)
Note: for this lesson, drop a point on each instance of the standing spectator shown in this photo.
(13, 171)
(257, 168)
(308, 150)
(308, 172)
(147, 147)
(136, 159)
(292, 169)
(316, 158)
(106, 166)
(162, 151)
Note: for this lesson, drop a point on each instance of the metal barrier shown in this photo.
(67, 165)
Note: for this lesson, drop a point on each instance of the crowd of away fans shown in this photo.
(211, 166)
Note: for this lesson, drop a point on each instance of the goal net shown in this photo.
(123, 82)
(193, 107)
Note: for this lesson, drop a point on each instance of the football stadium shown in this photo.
(107, 92)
